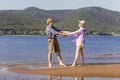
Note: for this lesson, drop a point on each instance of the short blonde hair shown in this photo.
(48, 20)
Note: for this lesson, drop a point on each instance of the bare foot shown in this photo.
(62, 65)
(73, 65)
(81, 64)
(50, 65)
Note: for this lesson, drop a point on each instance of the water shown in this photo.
(24, 49)
(34, 49)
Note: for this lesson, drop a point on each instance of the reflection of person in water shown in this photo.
(60, 78)
(54, 78)
(79, 78)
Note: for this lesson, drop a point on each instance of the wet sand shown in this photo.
(110, 70)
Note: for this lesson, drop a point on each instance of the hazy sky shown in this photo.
(58, 4)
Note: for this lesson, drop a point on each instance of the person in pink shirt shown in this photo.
(79, 41)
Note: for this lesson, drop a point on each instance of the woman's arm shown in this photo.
(75, 32)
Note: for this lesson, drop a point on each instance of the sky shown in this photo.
(58, 4)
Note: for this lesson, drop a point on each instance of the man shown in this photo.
(53, 44)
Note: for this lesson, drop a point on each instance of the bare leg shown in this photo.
(50, 59)
(76, 56)
(82, 78)
(76, 78)
(79, 78)
(59, 78)
(60, 59)
(81, 56)
(49, 77)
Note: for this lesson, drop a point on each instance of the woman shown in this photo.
(79, 34)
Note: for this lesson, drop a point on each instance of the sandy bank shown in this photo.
(89, 70)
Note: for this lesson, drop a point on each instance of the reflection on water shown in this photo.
(79, 78)
(16, 76)
(3, 69)
(60, 78)
(54, 77)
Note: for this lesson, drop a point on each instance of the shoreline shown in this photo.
(108, 70)
(45, 35)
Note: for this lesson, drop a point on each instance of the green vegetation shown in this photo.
(31, 21)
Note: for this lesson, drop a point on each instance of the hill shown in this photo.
(100, 21)
(31, 21)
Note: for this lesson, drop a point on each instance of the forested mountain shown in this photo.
(31, 21)
(99, 21)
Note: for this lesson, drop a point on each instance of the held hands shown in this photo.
(65, 33)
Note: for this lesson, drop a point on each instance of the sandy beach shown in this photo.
(110, 70)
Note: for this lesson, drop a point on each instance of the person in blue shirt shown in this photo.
(53, 45)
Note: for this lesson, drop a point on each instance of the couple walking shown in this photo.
(53, 45)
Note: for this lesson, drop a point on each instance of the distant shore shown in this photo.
(45, 35)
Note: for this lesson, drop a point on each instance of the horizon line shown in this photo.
(57, 9)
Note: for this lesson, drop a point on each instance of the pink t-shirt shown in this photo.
(79, 34)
